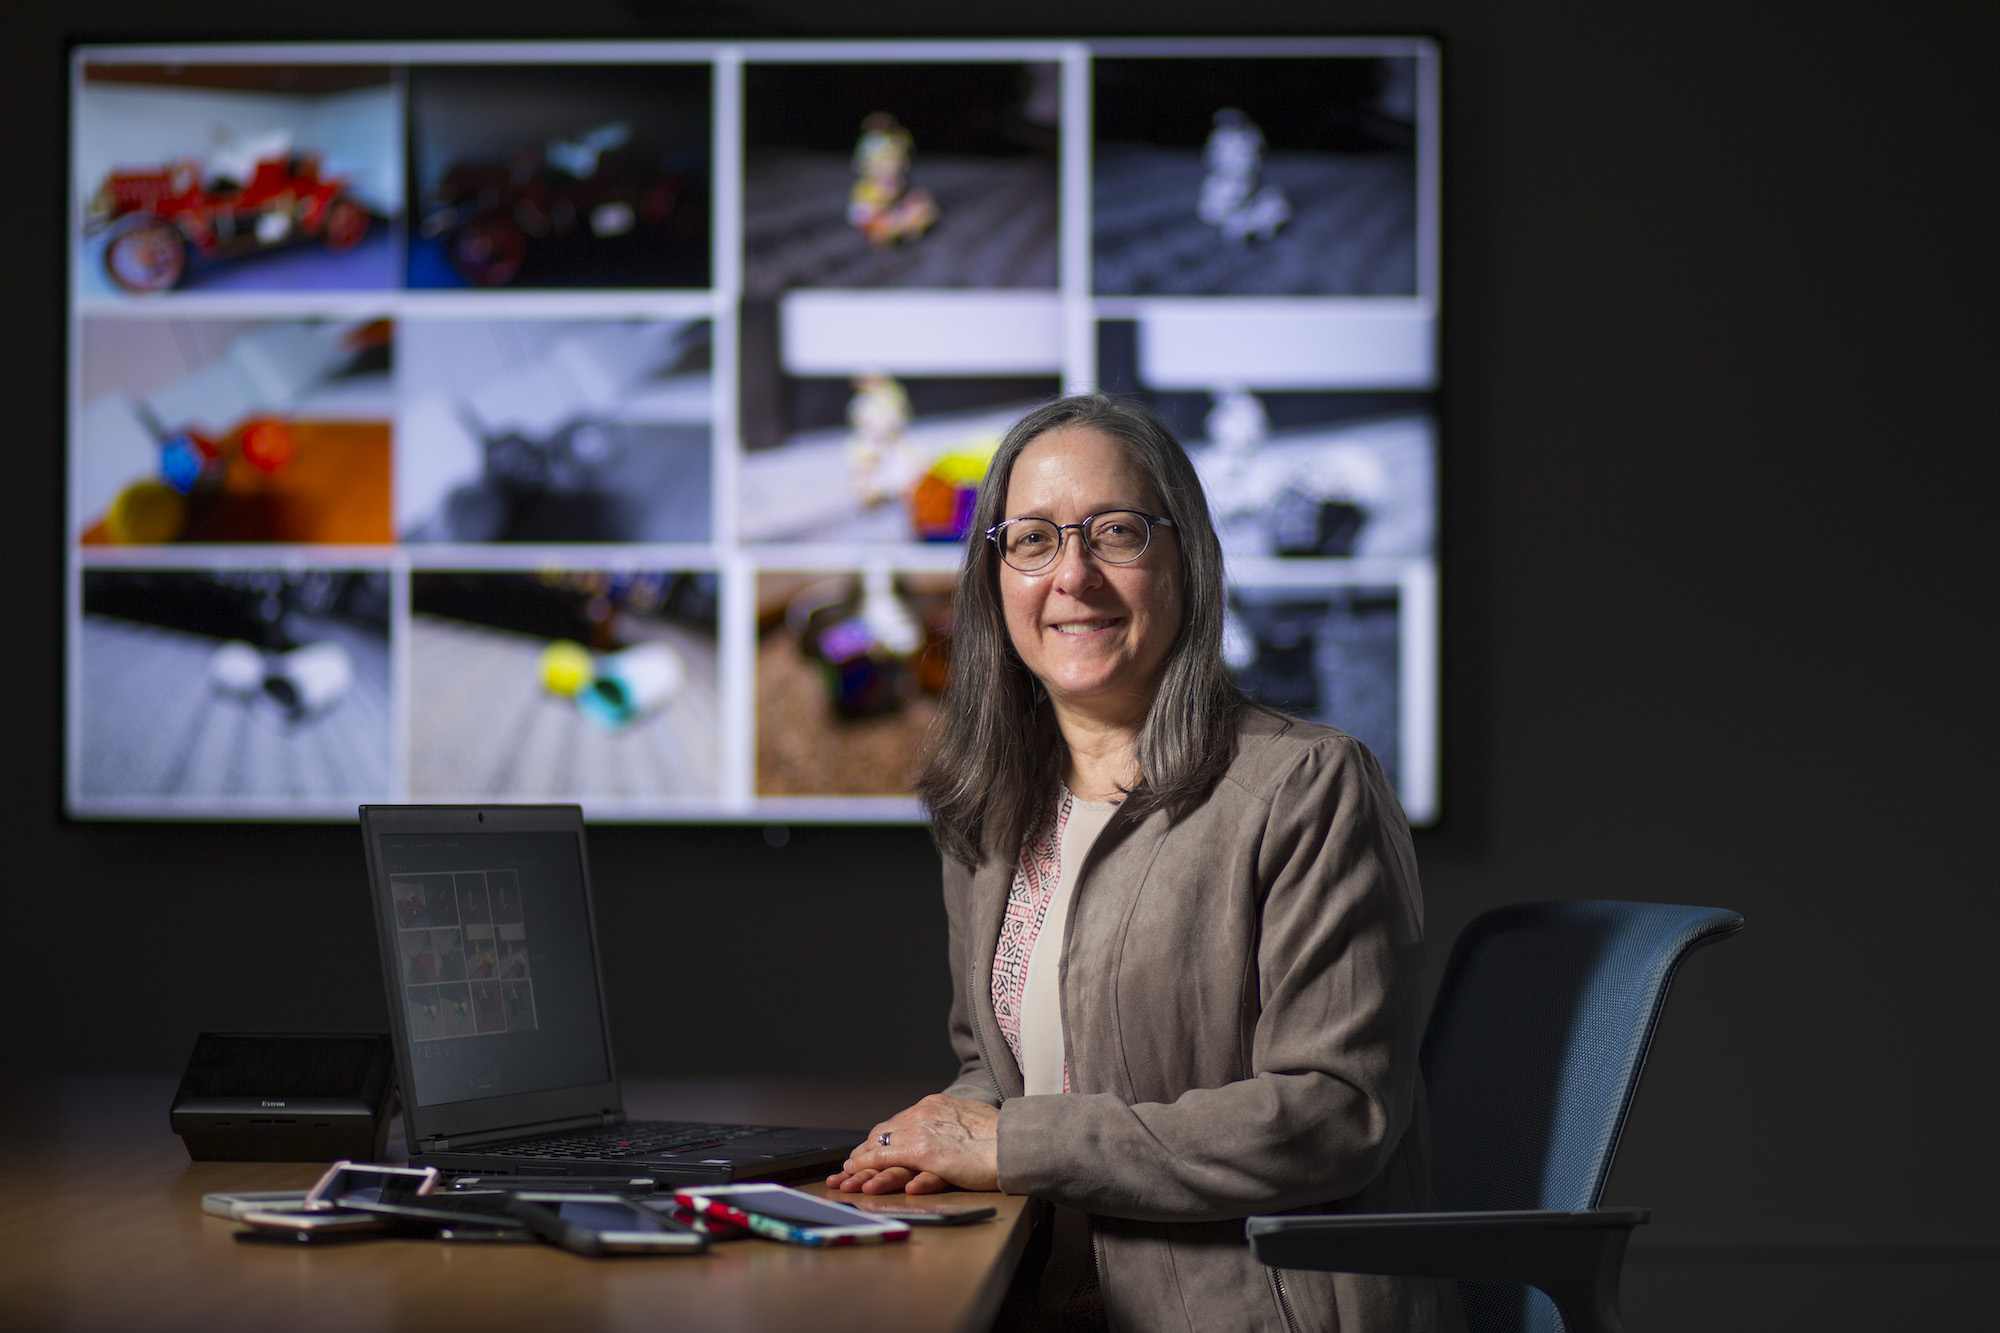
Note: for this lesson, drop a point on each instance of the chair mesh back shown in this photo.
(1532, 1055)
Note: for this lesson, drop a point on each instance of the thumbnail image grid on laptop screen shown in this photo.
(464, 953)
(494, 964)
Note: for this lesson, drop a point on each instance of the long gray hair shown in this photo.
(992, 760)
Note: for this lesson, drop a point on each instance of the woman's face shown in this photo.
(1095, 634)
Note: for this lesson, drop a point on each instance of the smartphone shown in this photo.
(635, 1186)
(233, 1204)
(464, 1235)
(904, 1208)
(306, 1227)
(371, 1184)
(783, 1213)
(492, 1212)
(602, 1224)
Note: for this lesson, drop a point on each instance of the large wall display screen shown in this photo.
(599, 422)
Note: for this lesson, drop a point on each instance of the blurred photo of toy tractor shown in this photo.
(247, 197)
(562, 198)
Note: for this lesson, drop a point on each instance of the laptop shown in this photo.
(497, 1014)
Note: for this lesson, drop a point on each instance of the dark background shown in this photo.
(1719, 425)
(1295, 104)
(961, 107)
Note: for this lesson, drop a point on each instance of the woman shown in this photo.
(1186, 934)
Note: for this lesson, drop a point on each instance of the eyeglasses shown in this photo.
(1117, 537)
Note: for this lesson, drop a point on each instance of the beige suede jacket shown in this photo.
(1242, 999)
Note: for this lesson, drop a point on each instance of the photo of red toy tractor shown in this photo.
(156, 217)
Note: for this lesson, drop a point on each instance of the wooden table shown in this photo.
(101, 1228)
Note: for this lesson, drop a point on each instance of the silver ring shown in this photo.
(883, 1138)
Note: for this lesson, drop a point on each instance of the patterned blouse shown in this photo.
(1036, 875)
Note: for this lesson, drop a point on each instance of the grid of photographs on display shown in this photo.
(600, 422)
(463, 943)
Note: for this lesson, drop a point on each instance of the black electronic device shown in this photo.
(498, 1017)
(286, 1097)
(458, 1212)
(604, 1224)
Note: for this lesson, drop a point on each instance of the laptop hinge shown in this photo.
(460, 1142)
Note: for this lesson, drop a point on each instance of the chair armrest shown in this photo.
(1497, 1247)
(1574, 1257)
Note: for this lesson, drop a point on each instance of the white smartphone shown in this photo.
(783, 1213)
(919, 1210)
(232, 1204)
(374, 1184)
(306, 1227)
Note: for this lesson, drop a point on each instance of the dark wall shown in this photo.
(1720, 627)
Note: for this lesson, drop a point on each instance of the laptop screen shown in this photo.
(495, 963)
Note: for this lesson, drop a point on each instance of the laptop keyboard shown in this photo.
(620, 1141)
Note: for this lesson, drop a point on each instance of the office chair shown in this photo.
(1531, 1058)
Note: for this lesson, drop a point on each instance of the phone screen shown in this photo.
(371, 1184)
(469, 1210)
(612, 1214)
(919, 1212)
(785, 1206)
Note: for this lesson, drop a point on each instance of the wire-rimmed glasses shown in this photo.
(1116, 536)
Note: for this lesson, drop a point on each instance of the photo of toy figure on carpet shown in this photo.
(559, 175)
(899, 175)
(1255, 177)
(222, 430)
(522, 430)
(849, 667)
(564, 684)
(261, 685)
(237, 178)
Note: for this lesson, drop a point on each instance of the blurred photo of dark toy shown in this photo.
(873, 650)
(1328, 654)
(556, 431)
(244, 199)
(556, 202)
(541, 176)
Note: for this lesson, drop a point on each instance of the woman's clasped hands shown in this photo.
(940, 1143)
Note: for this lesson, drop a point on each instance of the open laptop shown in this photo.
(496, 1008)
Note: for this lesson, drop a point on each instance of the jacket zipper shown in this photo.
(1284, 1302)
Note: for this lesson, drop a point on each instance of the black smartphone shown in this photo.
(460, 1211)
(604, 1224)
(634, 1186)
